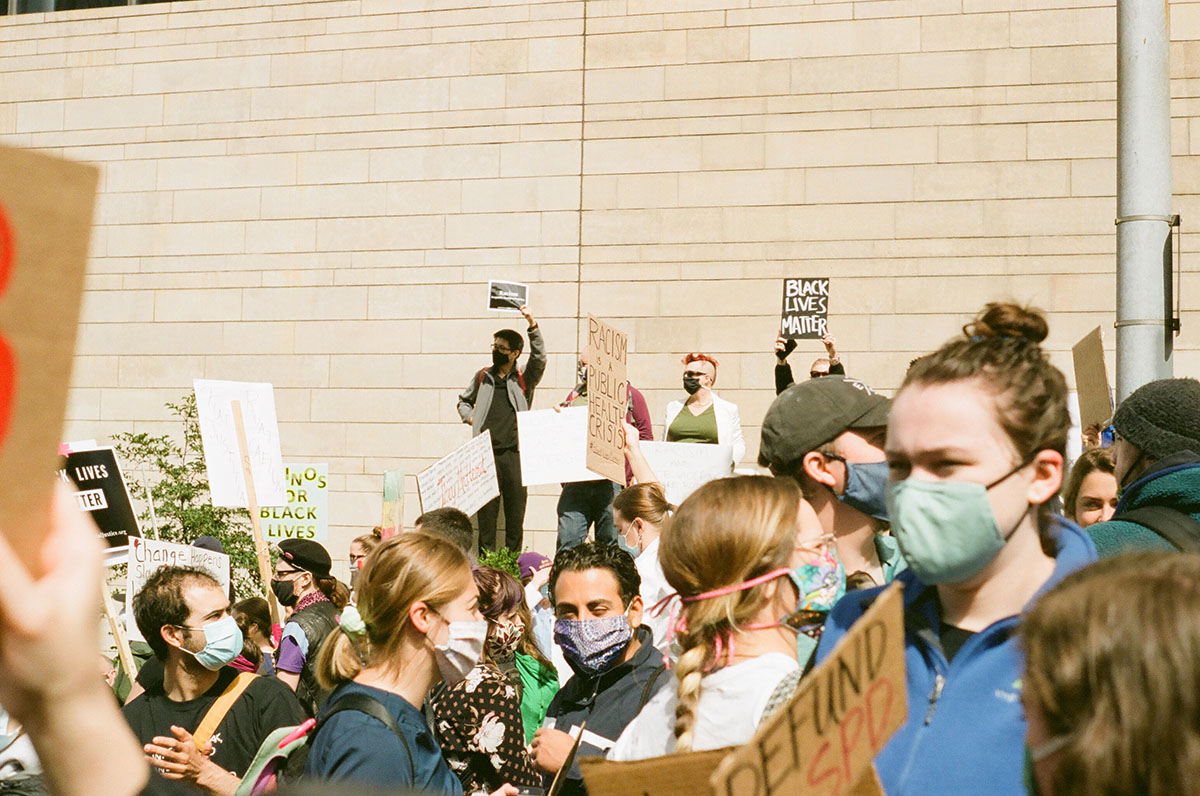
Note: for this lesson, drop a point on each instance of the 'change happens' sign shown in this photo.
(306, 515)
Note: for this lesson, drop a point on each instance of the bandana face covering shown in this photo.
(593, 646)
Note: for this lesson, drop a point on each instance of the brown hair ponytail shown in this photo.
(404, 569)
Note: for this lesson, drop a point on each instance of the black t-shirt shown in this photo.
(953, 639)
(266, 705)
(502, 416)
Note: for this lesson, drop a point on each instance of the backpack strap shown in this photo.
(520, 380)
(363, 703)
(648, 691)
(1178, 528)
(216, 714)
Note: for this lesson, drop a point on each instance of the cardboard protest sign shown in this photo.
(393, 503)
(222, 452)
(46, 209)
(683, 467)
(102, 493)
(507, 296)
(672, 775)
(820, 744)
(608, 400)
(306, 515)
(465, 479)
(554, 446)
(823, 741)
(1091, 380)
(148, 555)
(805, 308)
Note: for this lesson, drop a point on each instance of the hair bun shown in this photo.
(999, 320)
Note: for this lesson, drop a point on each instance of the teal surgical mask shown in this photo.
(222, 643)
(947, 530)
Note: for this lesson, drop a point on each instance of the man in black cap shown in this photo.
(828, 435)
(302, 582)
(1156, 461)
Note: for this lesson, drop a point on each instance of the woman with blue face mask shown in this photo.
(975, 447)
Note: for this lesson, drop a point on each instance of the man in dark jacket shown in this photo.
(598, 610)
(1156, 460)
(490, 403)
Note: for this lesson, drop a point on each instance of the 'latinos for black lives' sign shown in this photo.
(805, 308)
(102, 493)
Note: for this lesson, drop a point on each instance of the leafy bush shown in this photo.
(183, 509)
(503, 559)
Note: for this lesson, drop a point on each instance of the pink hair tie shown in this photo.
(750, 584)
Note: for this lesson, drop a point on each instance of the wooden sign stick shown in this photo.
(118, 631)
(260, 545)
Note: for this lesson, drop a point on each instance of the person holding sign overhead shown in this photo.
(975, 445)
(490, 403)
(704, 417)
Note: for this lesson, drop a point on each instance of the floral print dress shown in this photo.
(480, 731)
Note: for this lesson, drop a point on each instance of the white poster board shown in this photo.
(683, 467)
(222, 455)
(465, 479)
(554, 446)
(148, 555)
(306, 514)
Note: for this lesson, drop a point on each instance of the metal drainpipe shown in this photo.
(1143, 192)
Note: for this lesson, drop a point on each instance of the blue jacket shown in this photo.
(965, 732)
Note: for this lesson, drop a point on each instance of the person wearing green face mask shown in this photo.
(975, 446)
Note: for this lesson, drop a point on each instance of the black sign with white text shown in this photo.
(805, 308)
(102, 493)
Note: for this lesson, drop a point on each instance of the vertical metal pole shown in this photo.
(1143, 192)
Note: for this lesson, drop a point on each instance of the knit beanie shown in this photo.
(1162, 417)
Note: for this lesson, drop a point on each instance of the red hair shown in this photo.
(694, 357)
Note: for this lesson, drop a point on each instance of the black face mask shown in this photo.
(499, 360)
(285, 592)
(691, 384)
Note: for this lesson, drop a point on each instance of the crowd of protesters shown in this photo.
(1032, 666)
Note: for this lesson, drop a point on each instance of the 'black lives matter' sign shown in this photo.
(805, 308)
(102, 493)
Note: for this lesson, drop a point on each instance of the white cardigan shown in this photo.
(729, 425)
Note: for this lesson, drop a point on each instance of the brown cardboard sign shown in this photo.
(1091, 380)
(608, 400)
(823, 742)
(671, 775)
(820, 744)
(46, 207)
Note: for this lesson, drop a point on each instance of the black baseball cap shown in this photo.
(810, 413)
(307, 555)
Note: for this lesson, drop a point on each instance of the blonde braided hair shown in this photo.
(727, 532)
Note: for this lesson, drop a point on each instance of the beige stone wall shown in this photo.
(315, 193)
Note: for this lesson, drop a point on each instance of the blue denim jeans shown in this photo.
(582, 505)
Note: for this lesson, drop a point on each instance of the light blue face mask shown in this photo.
(946, 530)
(866, 487)
(222, 643)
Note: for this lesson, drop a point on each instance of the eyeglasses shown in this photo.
(816, 374)
(279, 573)
(818, 546)
(354, 559)
(502, 349)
